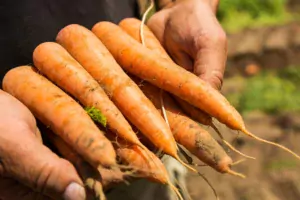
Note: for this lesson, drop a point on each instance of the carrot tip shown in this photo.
(229, 171)
(96, 187)
(269, 142)
(175, 190)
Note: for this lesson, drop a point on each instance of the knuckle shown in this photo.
(217, 80)
(211, 38)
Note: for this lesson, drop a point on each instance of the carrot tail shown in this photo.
(173, 188)
(143, 21)
(210, 185)
(269, 142)
(96, 187)
(228, 144)
(229, 171)
(238, 162)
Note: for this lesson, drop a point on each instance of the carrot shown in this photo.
(143, 34)
(189, 133)
(158, 70)
(92, 177)
(51, 58)
(96, 59)
(63, 115)
(137, 159)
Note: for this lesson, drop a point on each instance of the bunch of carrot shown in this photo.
(86, 88)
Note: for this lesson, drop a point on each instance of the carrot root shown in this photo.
(228, 144)
(238, 162)
(269, 142)
(173, 188)
(229, 171)
(210, 185)
(96, 187)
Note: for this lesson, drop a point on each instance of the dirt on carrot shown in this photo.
(91, 176)
(126, 95)
(62, 114)
(158, 70)
(56, 63)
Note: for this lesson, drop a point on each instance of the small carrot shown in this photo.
(96, 59)
(56, 63)
(143, 34)
(91, 176)
(158, 70)
(62, 114)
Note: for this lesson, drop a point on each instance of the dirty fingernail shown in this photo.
(74, 191)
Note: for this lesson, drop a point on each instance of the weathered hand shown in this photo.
(28, 169)
(192, 35)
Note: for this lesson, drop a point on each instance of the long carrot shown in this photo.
(96, 59)
(189, 133)
(57, 64)
(143, 34)
(158, 70)
(91, 176)
(61, 113)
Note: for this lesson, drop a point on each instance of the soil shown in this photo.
(274, 175)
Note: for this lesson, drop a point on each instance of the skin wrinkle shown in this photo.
(201, 49)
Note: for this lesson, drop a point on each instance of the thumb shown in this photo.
(25, 159)
(13, 190)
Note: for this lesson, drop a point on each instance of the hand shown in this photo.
(192, 35)
(28, 169)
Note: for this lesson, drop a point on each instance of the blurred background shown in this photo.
(262, 80)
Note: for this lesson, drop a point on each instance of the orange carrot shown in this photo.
(51, 58)
(137, 159)
(63, 115)
(160, 71)
(143, 34)
(96, 59)
(132, 26)
(91, 176)
(189, 133)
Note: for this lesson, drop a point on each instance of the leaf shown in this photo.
(96, 115)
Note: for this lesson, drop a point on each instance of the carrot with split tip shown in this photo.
(56, 63)
(158, 70)
(136, 29)
(92, 178)
(62, 114)
(137, 159)
(126, 95)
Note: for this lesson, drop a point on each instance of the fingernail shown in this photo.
(74, 191)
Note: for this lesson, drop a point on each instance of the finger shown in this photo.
(157, 24)
(13, 190)
(210, 53)
(182, 59)
(25, 159)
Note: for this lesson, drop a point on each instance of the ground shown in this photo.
(274, 175)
